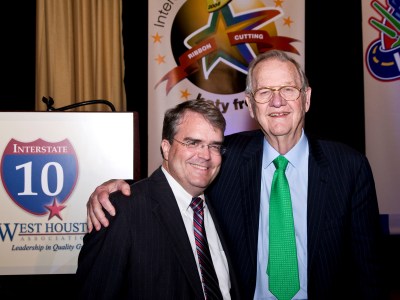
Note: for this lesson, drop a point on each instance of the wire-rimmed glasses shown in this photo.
(264, 94)
(195, 145)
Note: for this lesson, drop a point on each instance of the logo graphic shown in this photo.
(212, 42)
(383, 55)
(39, 176)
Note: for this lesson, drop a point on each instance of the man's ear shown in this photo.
(248, 102)
(308, 99)
(165, 146)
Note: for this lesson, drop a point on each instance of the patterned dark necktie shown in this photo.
(283, 275)
(209, 277)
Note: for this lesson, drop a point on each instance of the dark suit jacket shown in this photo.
(343, 225)
(145, 252)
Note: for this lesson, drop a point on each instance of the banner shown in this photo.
(381, 44)
(201, 49)
(50, 164)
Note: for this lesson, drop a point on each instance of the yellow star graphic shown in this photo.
(278, 3)
(157, 38)
(221, 34)
(287, 21)
(185, 94)
(160, 59)
(220, 25)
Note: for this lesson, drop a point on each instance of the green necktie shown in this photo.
(282, 270)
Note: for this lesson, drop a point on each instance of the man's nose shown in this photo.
(277, 100)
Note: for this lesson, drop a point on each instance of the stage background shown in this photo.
(333, 45)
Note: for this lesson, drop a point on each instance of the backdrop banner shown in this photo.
(381, 44)
(50, 164)
(200, 49)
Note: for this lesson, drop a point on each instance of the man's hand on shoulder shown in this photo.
(99, 199)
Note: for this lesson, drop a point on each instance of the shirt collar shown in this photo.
(183, 198)
(294, 156)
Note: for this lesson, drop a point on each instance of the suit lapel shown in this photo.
(170, 217)
(250, 193)
(318, 175)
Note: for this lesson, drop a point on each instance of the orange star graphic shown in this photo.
(55, 209)
(160, 59)
(157, 38)
(185, 94)
(287, 21)
(278, 3)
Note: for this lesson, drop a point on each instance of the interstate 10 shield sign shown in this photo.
(39, 176)
(50, 163)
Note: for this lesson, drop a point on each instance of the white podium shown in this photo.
(50, 164)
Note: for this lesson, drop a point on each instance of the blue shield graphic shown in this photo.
(39, 176)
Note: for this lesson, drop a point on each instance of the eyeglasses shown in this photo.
(216, 149)
(264, 94)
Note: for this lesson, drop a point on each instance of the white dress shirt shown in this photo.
(183, 200)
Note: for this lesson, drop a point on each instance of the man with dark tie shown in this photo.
(165, 242)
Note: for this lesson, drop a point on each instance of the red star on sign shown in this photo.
(55, 209)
